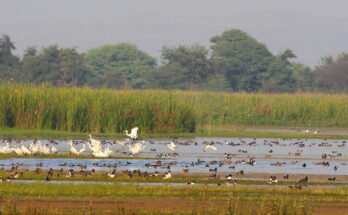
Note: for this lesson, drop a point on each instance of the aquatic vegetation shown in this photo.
(159, 111)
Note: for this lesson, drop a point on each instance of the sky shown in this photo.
(311, 28)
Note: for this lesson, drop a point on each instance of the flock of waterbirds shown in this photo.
(101, 149)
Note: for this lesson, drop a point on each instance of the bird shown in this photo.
(54, 150)
(112, 174)
(172, 146)
(95, 145)
(229, 177)
(272, 180)
(136, 148)
(34, 147)
(100, 154)
(18, 150)
(304, 180)
(209, 147)
(25, 150)
(133, 134)
(74, 150)
(107, 150)
(6, 149)
(168, 175)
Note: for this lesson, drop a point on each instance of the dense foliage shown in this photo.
(236, 62)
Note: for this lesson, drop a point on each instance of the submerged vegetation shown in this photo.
(158, 111)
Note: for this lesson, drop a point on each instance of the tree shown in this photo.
(242, 59)
(119, 65)
(303, 77)
(332, 74)
(8, 62)
(58, 66)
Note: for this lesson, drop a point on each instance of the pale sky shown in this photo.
(311, 28)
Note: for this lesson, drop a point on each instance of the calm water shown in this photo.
(282, 151)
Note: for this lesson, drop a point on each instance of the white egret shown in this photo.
(209, 147)
(136, 148)
(133, 134)
(25, 150)
(172, 146)
(34, 147)
(107, 150)
(74, 150)
(95, 145)
(54, 150)
(100, 154)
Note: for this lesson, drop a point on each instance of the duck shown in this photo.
(303, 180)
(272, 180)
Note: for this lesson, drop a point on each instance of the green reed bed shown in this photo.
(88, 110)
(307, 109)
(158, 111)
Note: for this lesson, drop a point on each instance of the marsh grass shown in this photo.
(133, 190)
(84, 110)
(88, 110)
(238, 200)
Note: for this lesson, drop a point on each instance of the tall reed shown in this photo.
(158, 111)
(88, 110)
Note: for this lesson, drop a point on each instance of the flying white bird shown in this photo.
(95, 145)
(209, 147)
(133, 134)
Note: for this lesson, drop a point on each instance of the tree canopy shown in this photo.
(118, 66)
(235, 62)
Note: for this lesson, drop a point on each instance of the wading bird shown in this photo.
(133, 134)
(136, 148)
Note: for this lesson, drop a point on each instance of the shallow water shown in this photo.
(311, 152)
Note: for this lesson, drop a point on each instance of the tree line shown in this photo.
(235, 62)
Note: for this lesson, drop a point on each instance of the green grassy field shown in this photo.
(206, 200)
